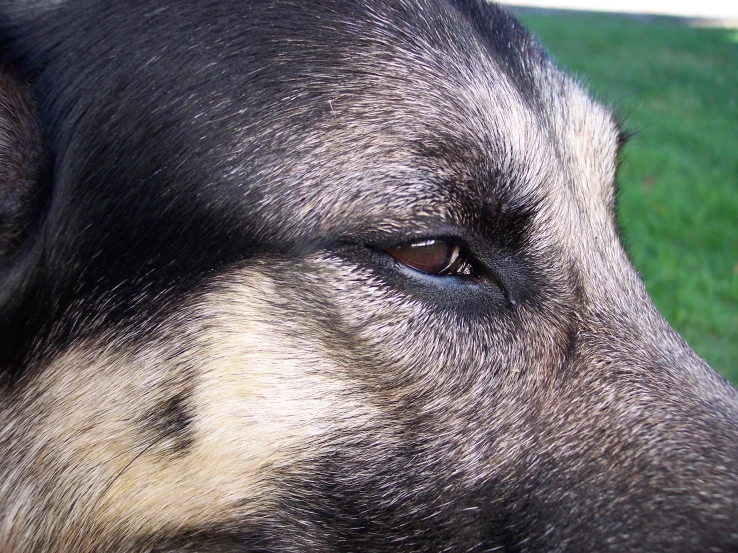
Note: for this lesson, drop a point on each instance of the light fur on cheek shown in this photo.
(258, 401)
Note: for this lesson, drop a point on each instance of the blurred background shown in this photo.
(670, 71)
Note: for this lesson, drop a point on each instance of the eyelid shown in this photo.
(490, 270)
(421, 243)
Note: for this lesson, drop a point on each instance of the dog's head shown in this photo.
(330, 276)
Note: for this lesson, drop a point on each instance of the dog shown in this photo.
(328, 276)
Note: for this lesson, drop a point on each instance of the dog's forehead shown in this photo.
(419, 122)
(300, 120)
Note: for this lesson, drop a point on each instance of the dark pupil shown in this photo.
(431, 256)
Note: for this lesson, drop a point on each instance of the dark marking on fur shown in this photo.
(170, 424)
(254, 537)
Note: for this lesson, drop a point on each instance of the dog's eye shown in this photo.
(434, 257)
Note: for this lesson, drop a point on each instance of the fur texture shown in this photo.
(205, 345)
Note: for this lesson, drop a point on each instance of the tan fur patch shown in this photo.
(261, 402)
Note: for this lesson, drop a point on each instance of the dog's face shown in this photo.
(330, 276)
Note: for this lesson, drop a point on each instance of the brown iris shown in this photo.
(434, 257)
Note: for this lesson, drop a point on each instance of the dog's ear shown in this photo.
(22, 164)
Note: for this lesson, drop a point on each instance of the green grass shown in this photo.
(677, 87)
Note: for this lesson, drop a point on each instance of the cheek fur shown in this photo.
(187, 432)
